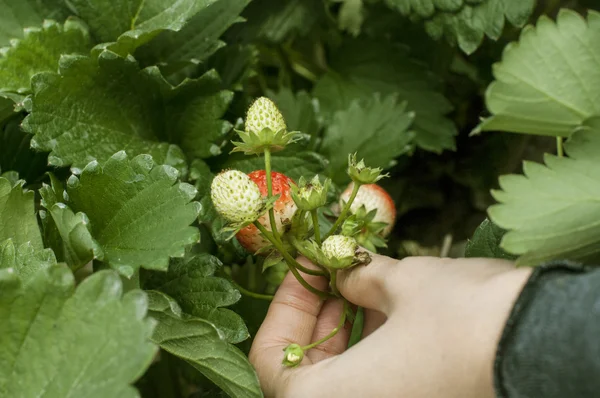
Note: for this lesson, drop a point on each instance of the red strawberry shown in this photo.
(372, 196)
(249, 237)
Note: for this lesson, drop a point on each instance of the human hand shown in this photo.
(431, 330)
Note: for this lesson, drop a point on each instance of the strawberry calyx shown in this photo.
(361, 174)
(310, 195)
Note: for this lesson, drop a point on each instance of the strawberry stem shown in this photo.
(293, 264)
(344, 212)
(281, 249)
(315, 220)
(270, 193)
(335, 330)
(333, 282)
(248, 293)
(559, 147)
(294, 241)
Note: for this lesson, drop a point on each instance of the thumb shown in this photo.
(370, 286)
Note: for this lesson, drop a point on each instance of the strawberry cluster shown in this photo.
(277, 218)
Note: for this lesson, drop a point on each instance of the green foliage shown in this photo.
(17, 214)
(126, 199)
(550, 211)
(546, 82)
(465, 21)
(376, 129)
(64, 341)
(39, 51)
(199, 343)
(190, 281)
(18, 15)
(116, 106)
(116, 116)
(362, 67)
(486, 242)
(69, 237)
(25, 259)
(198, 39)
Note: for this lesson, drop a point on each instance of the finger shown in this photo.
(361, 372)
(327, 320)
(291, 318)
(369, 285)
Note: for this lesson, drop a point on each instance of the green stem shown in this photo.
(282, 250)
(292, 264)
(248, 293)
(296, 243)
(270, 193)
(559, 147)
(333, 332)
(333, 282)
(344, 212)
(315, 220)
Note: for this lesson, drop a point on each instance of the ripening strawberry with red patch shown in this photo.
(284, 209)
(373, 197)
(373, 215)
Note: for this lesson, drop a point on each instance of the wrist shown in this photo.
(498, 295)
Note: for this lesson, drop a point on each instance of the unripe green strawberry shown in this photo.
(310, 195)
(236, 197)
(284, 208)
(292, 355)
(360, 173)
(372, 196)
(339, 247)
(263, 113)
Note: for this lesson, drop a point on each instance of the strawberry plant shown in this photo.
(163, 164)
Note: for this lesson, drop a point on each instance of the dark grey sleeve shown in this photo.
(550, 347)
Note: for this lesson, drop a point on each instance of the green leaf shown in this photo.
(141, 19)
(293, 164)
(16, 154)
(351, 16)
(235, 63)
(552, 211)
(95, 107)
(198, 39)
(276, 20)
(58, 341)
(20, 14)
(39, 51)
(200, 344)
(300, 111)
(196, 108)
(360, 68)
(377, 130)
(465, 21)
(139, 213)
(486, 242)
(25, 260)
(17, 213)
(69, 236)
(191, 283)
(546, 82)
